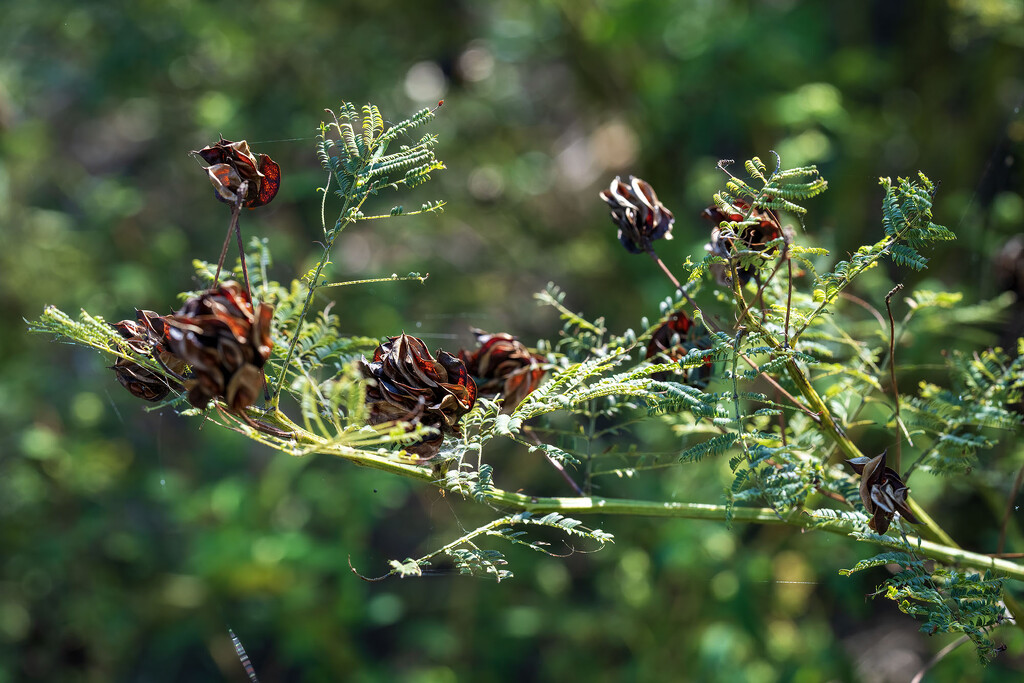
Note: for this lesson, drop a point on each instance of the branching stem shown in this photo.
(716, 327)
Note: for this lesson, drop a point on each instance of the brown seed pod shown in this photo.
(231, 164)
(145, 335)
(225, 342)
(882, 492)
(141, 381)
(409, 385)
(502, 365)
(638, 213)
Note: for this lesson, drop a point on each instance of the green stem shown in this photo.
(644, 508)
(298, 324)
(344, 220)
(946, 550)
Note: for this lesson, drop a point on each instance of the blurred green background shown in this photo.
(130, 541)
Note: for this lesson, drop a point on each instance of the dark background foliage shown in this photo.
(131, 541)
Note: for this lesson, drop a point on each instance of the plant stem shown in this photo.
(344, 219)
(939, 656)
(892, 374)
(714, 326)
(645, 508)
(236, 209)
(557, 465)
(303, 442)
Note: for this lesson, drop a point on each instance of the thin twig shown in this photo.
(782, 421)
(921, 458)
(939, 656)
(865, 305)
(664, 268)
(241, 248)
(789, 297)
(344, 219)
(892, 371)
(783, 258)
(233, 226)
(223, 253)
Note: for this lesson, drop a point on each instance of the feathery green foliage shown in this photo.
(469, 558)
(948, 601)
(965, 418)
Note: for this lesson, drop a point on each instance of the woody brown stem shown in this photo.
(223, 254)
(233, 227)
(241, 250)
(892, 372)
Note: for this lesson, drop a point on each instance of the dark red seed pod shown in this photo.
(231, 164)
(410, 385)
(145, 335)
(503, 366)
(725, 242)
(225, 342)
(882, 492)
(675, 338)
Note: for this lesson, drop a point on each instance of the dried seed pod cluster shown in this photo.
(882, 492)
(725, 242)
(502, 365)
(638, 213)
(216, 335)
(231, 164)
(226, 344)
(409, 385)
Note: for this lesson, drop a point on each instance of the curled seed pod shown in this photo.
(673, 340)
(882, 492)
(142, 382)
(409, 385)
(145, 335)
(225, 342)
(502, 365)
(725, 242)
(231, 164)
(638, 213)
